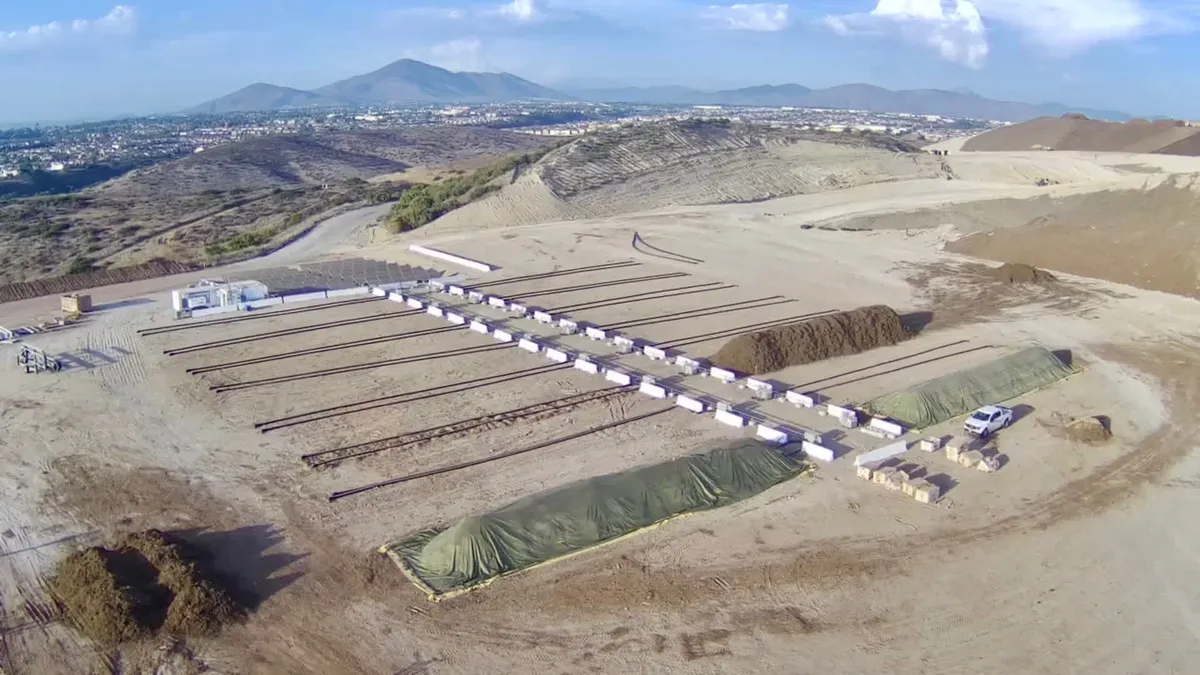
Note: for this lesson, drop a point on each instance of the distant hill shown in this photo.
(963, 103)
(262, 96)
(405, 81)
(413, 81)
(1164, 137)
(409, 81)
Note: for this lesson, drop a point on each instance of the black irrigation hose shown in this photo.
(341, 370)
(662, 253)
(646, 295)
(910, 365)
(341, 494)
(407, 397)
(882, 363)
(560, 273)
(365, 342)
(602, 284)
(286, 332)
(730, 332)
(146, 332)
(727, 308)
(433, 331)
(395, 399)
(368, 448)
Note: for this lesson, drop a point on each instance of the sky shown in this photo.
(63, 60)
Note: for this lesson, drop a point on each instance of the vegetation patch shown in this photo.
(422, 204)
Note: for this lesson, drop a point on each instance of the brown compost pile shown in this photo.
(146, 583)
(1091, 430)
(821, 338)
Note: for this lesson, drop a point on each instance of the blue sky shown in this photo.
(75, 59)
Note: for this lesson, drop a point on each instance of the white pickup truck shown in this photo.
(987, 419)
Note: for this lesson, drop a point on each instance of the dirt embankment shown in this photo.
(1144, 238)
(682, 163)
(825, 337)
(1167, 137)
(1020, 273)
(146, 583)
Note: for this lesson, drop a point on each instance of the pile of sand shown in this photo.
(147, 582)
(1076, 132)
(1020, 273)
(838, 334)
(1092, 430)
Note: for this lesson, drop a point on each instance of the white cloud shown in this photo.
(517, 11)
(1066, 26)
(957, 29)
(120, 21)
(458, 55)
(957, 33)
(520, 10)
(755, 17)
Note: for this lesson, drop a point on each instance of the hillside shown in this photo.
(404, 81)
(228, 201)
(262, 96)
(298, 160)
(414, 81)
(1166, 137)
(680, 163)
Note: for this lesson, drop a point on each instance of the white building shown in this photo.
(216, 293)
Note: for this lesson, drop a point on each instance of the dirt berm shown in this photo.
(1020, 273)
(146, 583)
(1091, 430)
(838, 334)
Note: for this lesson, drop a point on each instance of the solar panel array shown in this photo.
(333, 275)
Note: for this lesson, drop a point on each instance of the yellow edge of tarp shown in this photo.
(433, 596)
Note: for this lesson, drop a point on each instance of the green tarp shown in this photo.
(959, 393)
(553, 524)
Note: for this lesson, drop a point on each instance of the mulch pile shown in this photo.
(1020, 273)
(148, 582)
(821, 338)
(1093, 430)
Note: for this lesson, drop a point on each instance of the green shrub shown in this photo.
(80, 264)
(421, 204)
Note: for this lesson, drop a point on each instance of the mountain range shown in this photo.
(409, 81)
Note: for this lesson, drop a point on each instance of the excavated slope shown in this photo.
(1063, 133)
(689, 163)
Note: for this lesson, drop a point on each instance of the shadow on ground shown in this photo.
(249, 558)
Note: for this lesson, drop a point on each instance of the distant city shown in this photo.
(125, 144)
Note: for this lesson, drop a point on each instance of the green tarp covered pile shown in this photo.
(548, 526)
(959, 393)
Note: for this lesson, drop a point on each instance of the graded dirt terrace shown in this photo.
(1031, 569)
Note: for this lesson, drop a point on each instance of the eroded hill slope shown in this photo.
(691, 162)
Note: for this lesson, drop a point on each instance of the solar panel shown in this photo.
(334, 275)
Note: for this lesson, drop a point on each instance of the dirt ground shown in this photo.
(1037, 568)
(1169, 137)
